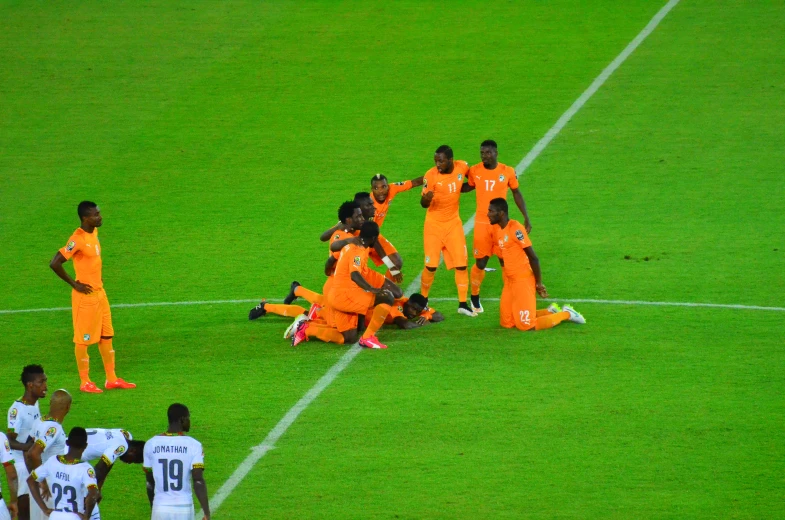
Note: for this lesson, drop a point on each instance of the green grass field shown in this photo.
(219, 140)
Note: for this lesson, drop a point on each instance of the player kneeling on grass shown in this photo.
(522, 277)
(355, 289)
(71, 481)
(410, 313)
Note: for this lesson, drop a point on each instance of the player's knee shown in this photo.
(482, 262)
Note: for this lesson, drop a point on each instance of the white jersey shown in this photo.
(171, 458)
(21, 418)
(49, 434)
(107, 445)
(6, 456)
(69, 482)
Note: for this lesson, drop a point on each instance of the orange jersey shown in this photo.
(85, 249)
(512, 241)
(353, 259)
(396, 311)
(383, 207)
(447, 192)
(341, 235)
(489, 185)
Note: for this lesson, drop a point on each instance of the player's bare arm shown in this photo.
(35, 492)
(102, 470)
(150, 485)
(364, 285)
(324, 237)
(57, 266)
(518, 197)
(425, 200)
(92, 498)
(392, 288)
(405, 324)
(437, 317)
(329, 265)
(13, 488)
(466, 187)
(339, 244)
(200, 489)
(33, 457)
(16, 445)
(535, 265)
(418, 181)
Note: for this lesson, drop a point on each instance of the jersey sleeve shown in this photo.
(521, 237)
(198, 461)
(428, 313)
(147, 463)
(113, 452)
(398, 187)
(512, 179)
(427, 182)
(72, 247)
(6, 457)
(88, 478)
(14, 417)
(396, 311)
(470, 177)
(41, 472)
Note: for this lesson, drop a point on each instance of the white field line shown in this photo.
(413, 286)
(259, 451)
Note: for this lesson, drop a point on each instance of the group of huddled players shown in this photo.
(356, 301)
(49, 473)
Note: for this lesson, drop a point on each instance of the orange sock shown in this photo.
(462, 282)
(380, 312)
(82, 362)
(426, 281)
(308, 295)
(543, 312)
(550, 320)
(290, 311)
(478, 275)
(324, 333)
(107, 355)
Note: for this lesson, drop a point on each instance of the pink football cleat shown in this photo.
(371, 342)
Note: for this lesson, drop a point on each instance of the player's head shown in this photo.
(415, 305)
(60, 403)
(89, 213)
(442, 157)
(363, 198)
(351, 215)
(379, 187)
(179, 417)
(134, 454)
(489, 153)
(497, 210)
(369, 232)
(77, 440)
(34, 379)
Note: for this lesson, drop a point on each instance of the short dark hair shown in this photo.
(369, 230)
(77, 437)
(176, 412)
(419, 299)
(500, 204)
(488, 143)
(347, 210)
(446, 150)
(379, 177)
(360, 195)
(84, 207)
(30, 371)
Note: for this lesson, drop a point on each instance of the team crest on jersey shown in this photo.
(425, 183)
(501, 178)
(460, 177)
(86, 337)
(427, 259)
(119, 451)
(519, 235)
(13, 414)
(505, 238)
(357, 261)
(90, 473)
(70, 247)
(7, 446)
(337, 236)
(399, 183)
(51, 432)
(476, 252)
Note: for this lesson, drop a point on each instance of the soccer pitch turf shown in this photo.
(219, 140)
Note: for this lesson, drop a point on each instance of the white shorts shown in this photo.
(173, 512)
(35, 511)
(60, 515)
(22, 474)
(4, 514)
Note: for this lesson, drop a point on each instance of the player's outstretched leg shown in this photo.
(575, 316)
(291, 296)
(293, 327)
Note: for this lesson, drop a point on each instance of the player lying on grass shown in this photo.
(522, 277)
(355, 289)
(383, 194)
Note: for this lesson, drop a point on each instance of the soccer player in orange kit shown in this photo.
(443, 230)
(92, 317)
(383, 194)
(491, 179)
(522, 277)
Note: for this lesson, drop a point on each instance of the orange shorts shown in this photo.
(484, 245)
(447, 238)
(518, 305)
(346, 305)
(91, 316)
(388, 248)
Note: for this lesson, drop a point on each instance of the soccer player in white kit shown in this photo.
(7, 460)
(171, 460)
(48, 441)
(21, 417)
(71, 482)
